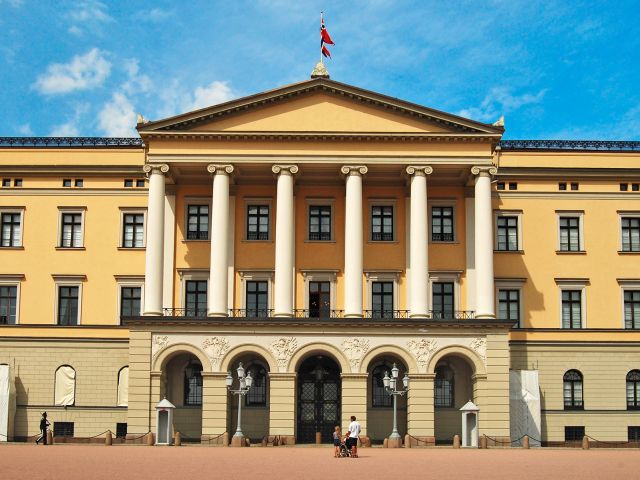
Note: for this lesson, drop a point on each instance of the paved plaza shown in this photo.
(308, 463)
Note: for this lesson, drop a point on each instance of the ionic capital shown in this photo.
(155, 168)
(215, 168)
(285, 169)
(354, 169)
(419, 170)
(484, 171)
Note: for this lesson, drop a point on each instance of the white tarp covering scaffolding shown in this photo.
(123, 387)
(65, 391)
(7, 403)
(524, 405)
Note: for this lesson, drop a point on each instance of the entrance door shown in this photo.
(319, 299)
(318, 399)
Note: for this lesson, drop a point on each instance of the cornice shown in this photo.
(567, 195)
(78, 192)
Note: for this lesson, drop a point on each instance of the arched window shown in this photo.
(572, 390)
(379, 397)
(443, 395)
(633, 390)
(257, 396)
(123, 387)
(193, 384)
(65, 386)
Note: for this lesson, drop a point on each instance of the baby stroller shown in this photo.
(344, 450)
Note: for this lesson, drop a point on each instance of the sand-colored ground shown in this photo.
(130, 462)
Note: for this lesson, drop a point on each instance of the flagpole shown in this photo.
(321, 19)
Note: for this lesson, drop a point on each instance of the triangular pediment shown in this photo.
(320, 106)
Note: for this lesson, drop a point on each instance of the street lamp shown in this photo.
(390, 386)
(245, 383)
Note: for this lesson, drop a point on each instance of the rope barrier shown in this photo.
(419, 440)
(214, 438)
(137, 438)
(609, 442)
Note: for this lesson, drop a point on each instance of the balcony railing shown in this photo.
(197, 235)
(320, 313)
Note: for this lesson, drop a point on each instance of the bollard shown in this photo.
(407, 441)
(247, 442)
(150, 439)
(456, 441)
(49, 437)
(264, 441)
(525, 441)
(385, 443)
(483, 441)
(225, 439)
(318, 438)
(108, 440)
(177, 439)
(585, 443)
(276, 441)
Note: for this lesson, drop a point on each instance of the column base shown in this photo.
(152, 314)
(217, 314)
(394, 442)
(418, 315)
(283, 314)
(239, 441)
(485, 316)
(353, 315)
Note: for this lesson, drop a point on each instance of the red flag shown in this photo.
(324, 35)
(325, 52)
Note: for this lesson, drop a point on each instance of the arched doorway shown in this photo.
(182, 385)
(318, 399)
(255, 404)
(453, 387)
(380, 403)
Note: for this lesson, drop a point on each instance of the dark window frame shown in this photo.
(201, 213)
(631, 305)
(573, 390)
(439, 215)
(320, 213)
(260, 230)
(574, 433)
(440, 295)
(633, 433)
(193, 385)
(196, 294)
(379, 396)
(380, 214)
(8, 220)
(629, 226)
(8, 304)
(633, 381)
(128, 301)
(568, 224)
(70, 219)
(66, 298)
(63, 429)
(569, 300)
(444, 387)
(136, 221)
(257, 395)
(257, 295)
(380, 295)
(512, 297)
(323, 290)
(506, 225)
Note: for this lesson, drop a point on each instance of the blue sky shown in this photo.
(553, 69)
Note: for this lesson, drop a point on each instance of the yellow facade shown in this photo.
(319, 126)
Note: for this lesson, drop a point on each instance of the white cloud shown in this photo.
(136, 82)
(81, 73)
(12, 3)
(214, 93)
(177, 100)
(498, 102)
(75, 30)
(68, 129)
(154, 15)
(25, 130)
(117, 118)
(89, 11)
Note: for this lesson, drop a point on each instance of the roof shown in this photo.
(73, 142)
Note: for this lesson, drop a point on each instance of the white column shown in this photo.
(154, 254)
(353, 241)
(218, 281)
(485, 303)
(285, 247)
(419, 241)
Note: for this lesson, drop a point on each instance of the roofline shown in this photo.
(71, 142)
(571, 145)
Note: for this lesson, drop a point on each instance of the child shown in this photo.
(337, 437)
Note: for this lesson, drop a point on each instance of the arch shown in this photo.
(64, 391)
(318, 348)
(163, 356)
(466, 353)
(370, 356)
(122, 393)
(245, 349)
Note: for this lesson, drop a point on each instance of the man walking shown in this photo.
(352, 441)
(44, 424)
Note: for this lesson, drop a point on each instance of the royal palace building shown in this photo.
(320, 233)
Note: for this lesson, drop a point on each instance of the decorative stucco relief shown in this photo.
(283, 349)
(479, 345)
(158, 342)
(422, 350)
(215, 348)
(355, 348)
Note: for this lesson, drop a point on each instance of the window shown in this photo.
(500, 186)
(562, 186)
(631, 309)
(66, 182)
(509, 305)
(507, 233)
(130, 301)
(11, 229)
(571, 308)
(121, 430)
(573, 434)
(193, 384)
(140, 183)
(78, 182)
(379, 397)
(17, 182)
(133, 230)
(319, 299)
(257, 301)
(513, 186)
(570, 234)
(257, 222)
(196, 298)
(442, 224)
(635, 187)
(443, 300)
(68, 299)
(198, 222)
(382, 223)
(443, 386)
(382, 299)
(128, 182)
(257, 396)
(574, 186)
(572, 390)
(319, 222)
(71, 231)
(65, 386)
(633, 434)
(6, 182)
(633, 390)
(63, 429)
(122, 399)
(8, 304)
(630, 234)
(624, 187)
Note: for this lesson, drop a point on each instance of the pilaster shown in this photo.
(282, 404)
(354, 399)
(214, 404)
(420, 411)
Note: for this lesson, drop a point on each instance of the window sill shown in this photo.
(255, 241)
(571, 252)
(70, 248)
(628, 252)
(436, 242)
(186, 240)
(521, 252)
(319, 241)
(382, 242)
(12, 248)
(132, 248)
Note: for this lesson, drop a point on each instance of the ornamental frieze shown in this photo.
(355, 348)
(215, 348)
(283, 349)
(422, 350)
